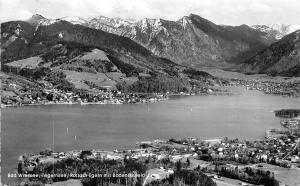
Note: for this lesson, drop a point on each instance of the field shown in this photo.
(283, 175)
(80, 79)
(29, 63)
(84, 80)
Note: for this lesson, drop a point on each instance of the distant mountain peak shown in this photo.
(35, 19)
(74, 19)
(37, 16)
(112, 22)
(199, 18)
(203, 23)
(276, 29)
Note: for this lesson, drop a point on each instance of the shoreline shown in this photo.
(109, 102)
(81, 103)
(224, 90)
(167, 97)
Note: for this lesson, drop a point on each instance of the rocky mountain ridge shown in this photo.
(281, 58)
(191, 40)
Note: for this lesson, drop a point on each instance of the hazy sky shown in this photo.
(232, 12)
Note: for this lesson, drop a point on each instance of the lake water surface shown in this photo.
(30, 129)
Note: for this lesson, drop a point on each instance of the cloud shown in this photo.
(13, 9)
(220, 11)
(259, 7)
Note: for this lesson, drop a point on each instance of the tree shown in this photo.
(178, 165)
(188, 162)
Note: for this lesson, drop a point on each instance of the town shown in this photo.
(15, 95)
(270, 87)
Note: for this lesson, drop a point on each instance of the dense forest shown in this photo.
(254, 176)
(158, 83)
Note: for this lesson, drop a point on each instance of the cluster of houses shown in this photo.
(291, 123)
(16, 95)
(283, 151)
(269, 87)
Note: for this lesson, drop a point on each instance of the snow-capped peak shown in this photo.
(74, 20)
(47, 22)
(112, 22)
(39, 20)
(277, 30)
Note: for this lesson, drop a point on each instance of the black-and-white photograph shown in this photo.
(150, 92)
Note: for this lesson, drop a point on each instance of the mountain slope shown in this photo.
(192, 40)
(16, 37)
(281, 58)
(90, 58)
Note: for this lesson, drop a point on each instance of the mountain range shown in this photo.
(125, 52)
(191, 40)
(69, 54)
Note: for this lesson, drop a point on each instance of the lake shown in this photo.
(30, 129)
